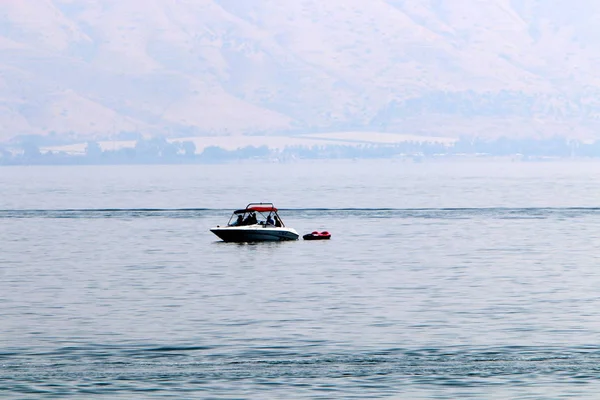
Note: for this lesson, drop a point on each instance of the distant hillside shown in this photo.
(100, 68)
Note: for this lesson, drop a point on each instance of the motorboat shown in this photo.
(258, 222)
(316, 235)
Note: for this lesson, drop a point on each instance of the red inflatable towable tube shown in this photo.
(315, 235)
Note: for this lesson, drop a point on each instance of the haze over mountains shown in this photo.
(99, 68)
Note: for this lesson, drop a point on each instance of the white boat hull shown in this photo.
(254, 233)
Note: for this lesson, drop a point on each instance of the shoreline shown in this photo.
(413, 161)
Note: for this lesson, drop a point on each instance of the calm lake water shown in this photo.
(440, 281)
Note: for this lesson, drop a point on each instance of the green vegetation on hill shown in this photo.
(160, 151)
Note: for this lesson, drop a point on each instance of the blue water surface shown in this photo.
(441, 280)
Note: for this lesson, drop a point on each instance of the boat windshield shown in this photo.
(251, 216)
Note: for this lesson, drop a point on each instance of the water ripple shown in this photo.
(423, 213)
(125, 369)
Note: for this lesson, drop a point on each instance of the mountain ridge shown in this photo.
(96, 69)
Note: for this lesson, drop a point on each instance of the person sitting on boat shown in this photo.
(277, 221)
(270, 220)
(239, 221)
(250, 219)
